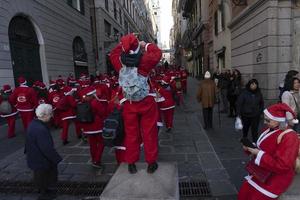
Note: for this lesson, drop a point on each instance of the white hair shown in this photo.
(43, 110)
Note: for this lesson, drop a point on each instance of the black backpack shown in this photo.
(113, 130)
(85, 113)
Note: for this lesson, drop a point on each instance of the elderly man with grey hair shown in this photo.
(42, 157)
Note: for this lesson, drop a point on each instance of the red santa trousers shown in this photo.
(57, 119)
(11, 121)
(140, 121)
(65, 128)
(120, 155)
(96, 147)
(247, 192)
(168, 117)
(26, 117)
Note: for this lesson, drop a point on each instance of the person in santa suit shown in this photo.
(53, 98)
(67, 106)
(277, 150)
(140, 110)
(167, 106)
(183, 78)
(42, 93)
(9, 117)
(24, 98)
(71, 81)
(93, 130)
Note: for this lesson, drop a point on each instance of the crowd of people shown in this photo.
(274, 153)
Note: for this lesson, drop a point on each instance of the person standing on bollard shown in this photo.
(42, 158)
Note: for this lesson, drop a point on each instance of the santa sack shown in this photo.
(297, 162)
(134, 85)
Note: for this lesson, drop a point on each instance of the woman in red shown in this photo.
(273, 155)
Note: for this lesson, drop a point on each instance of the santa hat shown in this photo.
(42, 85)
(22, 80)
(88, 91)
(281, 112)
(6, 88)
(52, 83)
(82, 76)
(130, 44)
(68, 90)
(207, 75)
(166, 80)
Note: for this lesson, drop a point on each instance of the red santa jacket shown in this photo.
(168, 102)
(97, 125)
(24, 98)
(148, 61)
(53, 98)
(14, 110)
(279, 159)
(69, 113)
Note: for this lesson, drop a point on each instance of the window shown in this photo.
(116, 33)
(120, 16)
(219, 20)
(221, 60)
(107, 28)
(106, 5)
(115, 11)
(77, 5)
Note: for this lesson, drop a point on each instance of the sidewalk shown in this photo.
(212, 156)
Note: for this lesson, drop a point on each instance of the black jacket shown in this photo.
(250, 104)
(39, 147)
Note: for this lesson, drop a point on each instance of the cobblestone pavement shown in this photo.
(189, 145)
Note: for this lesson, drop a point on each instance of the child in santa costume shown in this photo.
(24, 98)
(276, 152)
(9, 117)
(140, 109)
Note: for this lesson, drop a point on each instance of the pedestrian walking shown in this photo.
(283, 86)
(223, 86)
(272, 169)
(134, 60)
(234, 88)
(42, 158)
(206, 96)
(292, 99)
(250, 105)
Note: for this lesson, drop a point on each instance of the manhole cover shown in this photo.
(63, 188)
(194, 189)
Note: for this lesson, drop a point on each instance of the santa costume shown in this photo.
(274, 155)
(9, 117)
(140, 109)
(24, 98)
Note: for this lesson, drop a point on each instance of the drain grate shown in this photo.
(186, 189)
(63, 188)
(194, 189)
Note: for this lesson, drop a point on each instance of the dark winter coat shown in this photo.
(250, 104)
(39, 147)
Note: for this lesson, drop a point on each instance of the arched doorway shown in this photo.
(79, 57)
(24, 50)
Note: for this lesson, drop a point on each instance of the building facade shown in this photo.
(43, 39)
(115, 18)
(265, 41)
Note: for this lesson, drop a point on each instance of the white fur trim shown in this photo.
(167, 108)
(160, 124)
(23, 85)
(278, 119)
(70, 117)
(92, 92)
(146, 47)
(25, 110)
(135, 51)
(259, 188)
(6, 91)
(119, 148)
(258, 157)
(9, 115)
(92, 132)
(161, 99)
(295, 121)
(164, 82)
(123, 100)
(264, 136)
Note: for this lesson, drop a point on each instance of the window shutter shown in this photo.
(216, 23)
(82, 6)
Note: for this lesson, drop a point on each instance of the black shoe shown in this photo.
(79, 136)
(132, 168)
(65, 142)
(152, 168)
(168, 130)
